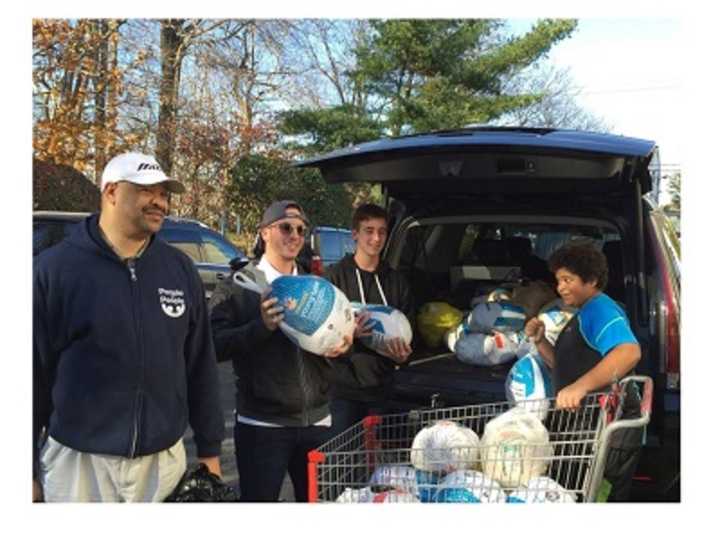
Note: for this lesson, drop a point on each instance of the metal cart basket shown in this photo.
(371, 460)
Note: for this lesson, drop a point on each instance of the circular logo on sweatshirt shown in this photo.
(172, 302)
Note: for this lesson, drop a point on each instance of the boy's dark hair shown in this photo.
(368, 211)
(582, 258)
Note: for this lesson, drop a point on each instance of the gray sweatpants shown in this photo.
(70, 475)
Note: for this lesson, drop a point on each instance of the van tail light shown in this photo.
(672, 333)
(668, 318)
(316, 266)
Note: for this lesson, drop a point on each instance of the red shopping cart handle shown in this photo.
(610, 402)
(371, 421)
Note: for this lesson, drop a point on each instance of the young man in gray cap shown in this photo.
(282, 392)
(122, 350)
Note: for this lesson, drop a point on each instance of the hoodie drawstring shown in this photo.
(362, 291)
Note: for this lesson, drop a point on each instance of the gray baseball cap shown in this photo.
(278, 211)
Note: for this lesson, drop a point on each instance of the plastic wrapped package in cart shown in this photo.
(555, 315)
(361, 495)
(386, 323)
(445, 447)
(317, 315)
(456, 495)
(541, 490)
(367, 495)
(405, 478)
(496, 316)
(482, 349)
(515, 447)
(469, 486)
(529, 381)
(395, 496)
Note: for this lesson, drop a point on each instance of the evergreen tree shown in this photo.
(422, 75)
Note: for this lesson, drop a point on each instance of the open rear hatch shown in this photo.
(491, 158)
(511, 169)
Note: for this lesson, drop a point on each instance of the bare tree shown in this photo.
(106, 91)
(323, 55)
(558, 107)
(172, 51)
(176, 37)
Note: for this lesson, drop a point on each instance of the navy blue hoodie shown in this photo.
(122, 351)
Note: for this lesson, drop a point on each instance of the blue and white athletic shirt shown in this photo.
(598, 327)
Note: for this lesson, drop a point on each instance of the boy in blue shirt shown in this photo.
(595, 349)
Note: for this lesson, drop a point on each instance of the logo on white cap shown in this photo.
(139, 169)
(144, 166)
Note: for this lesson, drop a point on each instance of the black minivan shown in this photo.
(209, 250)
(477, 208)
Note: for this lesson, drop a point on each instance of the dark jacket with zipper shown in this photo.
(122, 350)
(363, 374)
(276, 381)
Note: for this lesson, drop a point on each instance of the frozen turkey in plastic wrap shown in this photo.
(481, 488)
(515, 447)
(385, 323)
(405, 478)
(529, 384)
(555, 315)
(444, 447)
(482, 349)
(496, 316)
(317, 315)
(541, 490)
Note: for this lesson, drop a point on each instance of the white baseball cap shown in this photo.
(138, 169)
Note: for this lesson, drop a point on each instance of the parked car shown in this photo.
(477, 208)
(331, 243)
(325, 246)
(209, 250)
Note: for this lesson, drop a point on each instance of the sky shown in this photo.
(628, 72)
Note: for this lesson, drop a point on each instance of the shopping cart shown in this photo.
(348, 465)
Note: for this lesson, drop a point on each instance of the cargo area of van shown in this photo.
(459, 260)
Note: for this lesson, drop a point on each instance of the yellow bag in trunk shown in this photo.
(436, 318)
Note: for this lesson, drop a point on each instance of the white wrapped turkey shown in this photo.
(386, 323)
(555, 315)
(317, 315)
(529, 384)
(445, 447)
(482, 488)
(515, 447)
(541, 490)
(361, 495)
(496, 316)
(482, 349)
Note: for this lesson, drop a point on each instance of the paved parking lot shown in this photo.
(227, 457)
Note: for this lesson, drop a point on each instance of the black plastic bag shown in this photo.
(199, 485)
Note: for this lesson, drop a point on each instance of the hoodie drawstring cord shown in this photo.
(362, 290)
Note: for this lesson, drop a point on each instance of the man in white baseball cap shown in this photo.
(135, 200)
(123, 356)
(138, 169)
